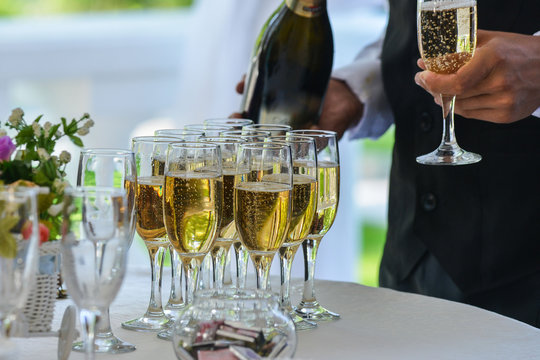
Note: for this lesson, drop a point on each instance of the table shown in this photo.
(376, 323)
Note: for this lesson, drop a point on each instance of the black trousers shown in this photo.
(519, 300)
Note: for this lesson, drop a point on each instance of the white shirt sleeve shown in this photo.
(537, 112)
(364, 77)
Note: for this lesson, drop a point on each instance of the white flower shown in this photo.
(83, 131)
(37, 129)
(3, 132)
(55, 209)
(60, 185)
(16, 116)
(88, 124)
(43, 154)
(65, 157)
(46, 128)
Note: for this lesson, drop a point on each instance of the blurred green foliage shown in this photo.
(45, 7)
(373, 238)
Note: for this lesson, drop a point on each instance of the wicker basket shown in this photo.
(39, 309)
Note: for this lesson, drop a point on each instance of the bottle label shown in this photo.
(306, 8)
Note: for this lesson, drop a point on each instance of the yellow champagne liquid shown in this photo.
(328, 198)
(304, 206)
(262, 214)
(227, 229)
(149, 210)
(192, 208)
(447, 34)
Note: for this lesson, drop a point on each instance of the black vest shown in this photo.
(482, 221)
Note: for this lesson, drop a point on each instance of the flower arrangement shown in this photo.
(27, 159)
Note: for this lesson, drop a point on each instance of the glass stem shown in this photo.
(175, 297)
(103, 324)
(310, 247)
(242, 257)
(448, 142)
(155, 307)
(88, 325)
(262, 264)
(286, 257)
(191, 272)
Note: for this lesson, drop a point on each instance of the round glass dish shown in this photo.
(222, 322)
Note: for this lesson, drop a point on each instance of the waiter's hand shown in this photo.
(341, 108)
(500, 84)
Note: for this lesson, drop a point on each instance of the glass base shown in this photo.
(166, 334)
(147, 323)
(453, 156)
(301, 323)
(174, 310)
(106, 345)
(315, 312)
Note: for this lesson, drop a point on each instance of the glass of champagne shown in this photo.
(263, 202)
(109, 168)
(96, 236)
(193, 204)
(327, 203)
(176, 303)
(227, 230)
(150, 154)
(273, 129)
(19, 241)
(447, 41)
(235, 123)
(304, 206)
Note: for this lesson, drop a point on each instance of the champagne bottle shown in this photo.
(290, 67)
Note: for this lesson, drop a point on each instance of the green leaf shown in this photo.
(53, 131)
(25, 135)
(38, 118)
(49, 169)
(41, 179)
(76, 140)
(8, 244)
(71, 128)
(15, 170)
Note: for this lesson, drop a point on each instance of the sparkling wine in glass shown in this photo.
(447, 41)
(150, 154)
(263, 202)
(192, 205)
(327, 203)
(96, 236)
(19, 239)
(109, 168)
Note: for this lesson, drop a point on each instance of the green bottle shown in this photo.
(290, 66)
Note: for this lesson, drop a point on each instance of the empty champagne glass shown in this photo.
(150, 154)
(227, 231)
(183, 134)
(109, 168)
(19, 237)
(327, 203)
(273, 129)
(192, 205)
(447, 41)
(263, 202)
(96, 236)
(304, 206)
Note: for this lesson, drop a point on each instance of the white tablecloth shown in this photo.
(376, 324)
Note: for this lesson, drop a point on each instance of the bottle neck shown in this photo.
(307, 8)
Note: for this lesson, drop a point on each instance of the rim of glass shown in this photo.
(23, 190)
(107, 151)
(223, 140)
(193, 145)
(313, 133)
(155, 139)
(295, 138)
(265, 145)
(225, 121)
(207, 127)
(180, 132)
(235, 295)
(82, 190)
(269, 126)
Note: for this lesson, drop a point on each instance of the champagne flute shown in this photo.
(176, 303)
(263, 202)
(273, 129)
(241, 253)
(192, 204)
(327, 203)
(208, 129)
(227, 230)
(109, 168)
(150, 154)
(235, 123)
(304, 206)
(447, 41)
(18, 255)
(96, 236)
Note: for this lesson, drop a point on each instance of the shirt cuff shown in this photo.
(537, 112)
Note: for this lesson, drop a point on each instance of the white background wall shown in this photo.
(137, 71)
